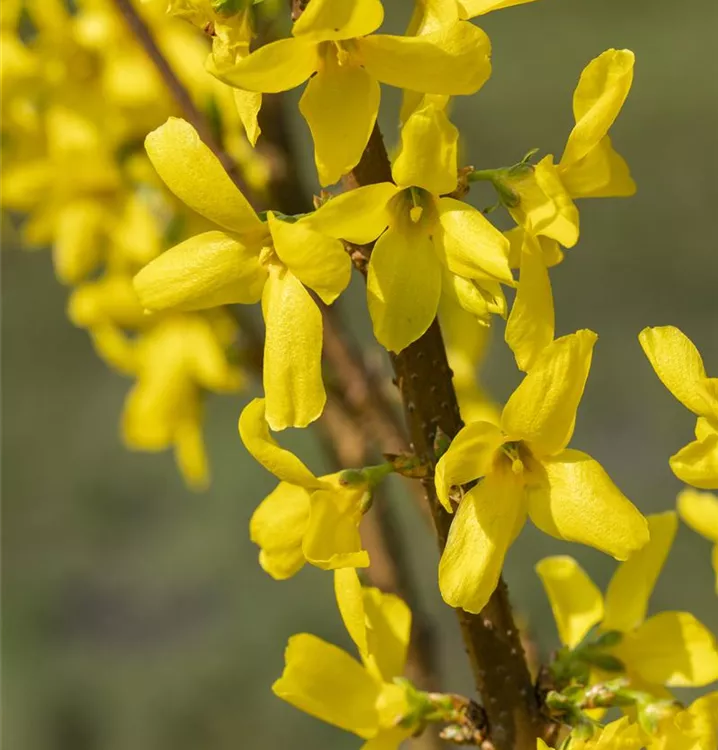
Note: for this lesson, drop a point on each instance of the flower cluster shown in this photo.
(79, 94)
(161, 316)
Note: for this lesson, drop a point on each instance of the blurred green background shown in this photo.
(135, 615)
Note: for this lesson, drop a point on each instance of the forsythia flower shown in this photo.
(695, 728)
(174, 359)
(618, 735)
(700, 511)
(327, 683)
(246, 261)
(432, 243)
(678, 364)
(670, 649)
(306, 518)
(525, 467)
(544, 209)
(333, 46)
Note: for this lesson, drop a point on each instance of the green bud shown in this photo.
(602, 660)
(608, 639)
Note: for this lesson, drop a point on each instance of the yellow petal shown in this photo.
(254, 431)
(452, 60)
(278, 526)
(530, 327)
(318, 261)
(350, 600)
(328, 20)
(576, 602)
(428, 155)
(545, 207)
(473, 8)
(190, 454)
(430, 15)
(482, 298)
(193, 173)
(332, 538)
(292, 372)
(484, 526)
(602, 89)
(358, 216)
(673, 649)
(582, 504)
(207, 270)
(248, 104)
(678, 364)
(274, 67)
(697, 463)
(387, 739)
(389, 627)
(602, 173)
(473, 247)
(115, 348)
(79, 240)
(324, 681)
(542, 410)
(469, 457)
(403, 285)
(700, 511)
(340, 104)
(632, 584)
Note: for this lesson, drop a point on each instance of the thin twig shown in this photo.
(491, 638)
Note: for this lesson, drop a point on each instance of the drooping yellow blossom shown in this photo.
(678, 364)
(618, 735)
(700, 511)
(306, 518)
(246, 261)
(333, 46)
(525, 467)
(671, 649)
(544, 207)
(360, 697)
(695, 728)
(433, 244)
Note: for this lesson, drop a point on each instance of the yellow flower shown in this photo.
(618, 735)
(695, 728)
(333, 46)
(544, 207)
(306, 518)
(678, 364)
(326, 682)
(432, 243)
(700, 511)
(247, 260)
(525, 467)
(671, 649)
(173, 361)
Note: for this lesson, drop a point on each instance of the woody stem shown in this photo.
(491, 638)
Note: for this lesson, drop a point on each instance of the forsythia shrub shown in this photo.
(159, 242)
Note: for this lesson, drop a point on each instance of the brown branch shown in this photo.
(491, 638)
(179, 93)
